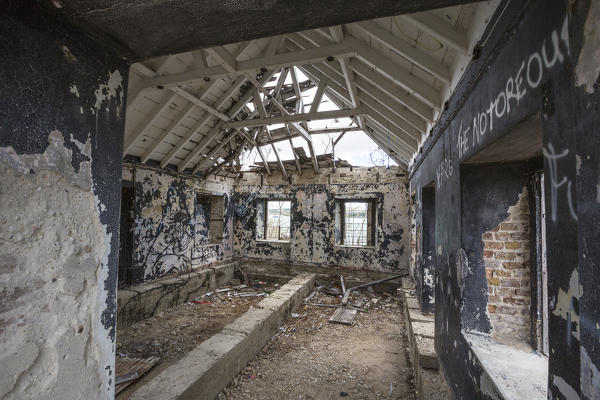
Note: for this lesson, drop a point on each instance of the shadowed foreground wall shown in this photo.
(62, 110)
(313, 218)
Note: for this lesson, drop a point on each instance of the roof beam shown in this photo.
(136, 93)
(214, 151)
(182, 115)
(225, 58)
(314, 107)
(266, 164)
(386, 143)
(199, 57)
(372, 105)
(215, 170)
(337, 33)
(381, 81)
(411, 53)
(235, 109)
(307, 56)
(274, 45)
(284, 119)
(439, 29)
(398, 158)
(367, 89)
(395, 72)
(202, 121)
(200, 103)
(384, 126)
(244, 46)
(384, 84)
(402, 126)
(145, 124)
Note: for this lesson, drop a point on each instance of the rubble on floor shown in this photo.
(310, 358)
(171, 334)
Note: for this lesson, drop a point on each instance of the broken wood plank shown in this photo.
(347, 292)
(343, 315)
(125, 366)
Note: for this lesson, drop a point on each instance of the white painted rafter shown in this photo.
(411, 53)
(286, 119)
(307, 56)
(439, 29)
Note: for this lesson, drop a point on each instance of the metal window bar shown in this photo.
(356, 223)
(277, 224)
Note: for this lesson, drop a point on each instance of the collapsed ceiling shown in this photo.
(388, 77)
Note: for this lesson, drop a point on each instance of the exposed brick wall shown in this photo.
(507, 263)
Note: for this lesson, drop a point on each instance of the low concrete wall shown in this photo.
(207, 370)
(143, 301)
(420, 332)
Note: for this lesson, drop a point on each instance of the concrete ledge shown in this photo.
(207, 370)
(143, 301)
(421, 333)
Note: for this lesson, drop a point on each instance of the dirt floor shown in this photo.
(170, 335)
(311, 358)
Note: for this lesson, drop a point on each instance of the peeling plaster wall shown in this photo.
(61, 124)
(167, 237)
(548, 35)
(313, 218)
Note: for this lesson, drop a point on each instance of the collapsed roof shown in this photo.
(388, 77)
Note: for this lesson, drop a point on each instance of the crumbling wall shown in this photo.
(167, 238)
(313, 233)
(62, 110)
(506, 256)
(528, 65)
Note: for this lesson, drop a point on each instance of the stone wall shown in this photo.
(167, 237)
(313, 232)
(62, 112)
(506, 255)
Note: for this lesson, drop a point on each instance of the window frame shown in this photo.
(371, 216)
(212, 199)
(265, 222)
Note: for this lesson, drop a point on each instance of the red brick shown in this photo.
(488, 273)
(501, 235)
(488, 254)
(516, 301)
(502, 255)
(491, 290)
(513, 265)
(501, 272)
(505, 291)
(518, 236)
(507, 226)
(522, 292)
(487, 236)
(510, 282)
(493, 281)
(493, 245)
(494, 299)
(506, 310)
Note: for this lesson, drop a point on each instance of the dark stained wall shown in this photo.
(313, 230)
(168, 236)
(528, 64)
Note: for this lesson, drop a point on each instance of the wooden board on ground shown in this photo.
(343, 315)
(125, 365)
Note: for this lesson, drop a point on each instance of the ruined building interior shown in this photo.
(284, 200)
